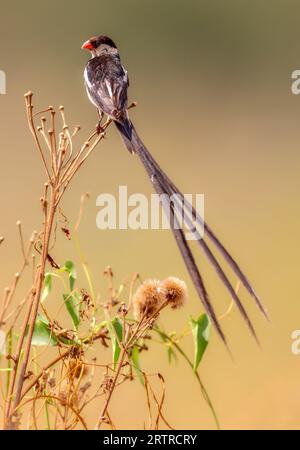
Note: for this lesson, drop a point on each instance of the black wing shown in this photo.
(106, 82)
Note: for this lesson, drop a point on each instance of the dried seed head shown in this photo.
(176, 291)
(148, 298)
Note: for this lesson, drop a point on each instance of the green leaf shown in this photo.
(48, 286)
(72, 304)
(177, 347)
(42, 334)
(201, 332)
(67, 341)
(115, 330)
(171, 354)
(70, 268)
(135, 358)
(167, 339)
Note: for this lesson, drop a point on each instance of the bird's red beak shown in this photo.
(87, 45)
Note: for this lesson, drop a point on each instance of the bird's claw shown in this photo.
(99, 128)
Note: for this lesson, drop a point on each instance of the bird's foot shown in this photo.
(99, 128)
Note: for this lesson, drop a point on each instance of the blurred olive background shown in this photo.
(212, 81)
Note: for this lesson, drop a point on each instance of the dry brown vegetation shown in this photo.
(55, 391)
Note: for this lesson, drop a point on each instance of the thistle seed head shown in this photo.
(148, 298)
(176, 291)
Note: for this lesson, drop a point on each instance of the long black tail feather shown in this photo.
(185, 251)
(125, 128)
(232, 263)
(203, 245)
(210, 256)
(163, 185)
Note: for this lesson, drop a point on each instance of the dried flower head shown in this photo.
(148, 298)
(176, 291)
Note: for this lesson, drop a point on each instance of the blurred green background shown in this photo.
(212, 81)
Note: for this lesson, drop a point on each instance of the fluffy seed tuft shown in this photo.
(176, 291)
(148, 298)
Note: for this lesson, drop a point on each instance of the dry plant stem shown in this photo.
(19, 225)
(71, 173)
(53, 397)
(148, 400)
(160, 403)
(60, 171)
(11, 291)
(15, 368)
(133, 280)
(82, 200)
(89, 400)
(57, 190)
(52, 363)
(105, 406)
(76, 164)
(36, 297)
(29, 105)
(31, 313)
(143, 326)
(36, 379)
(119, 368)
(53, 139)
(16, 312)
(128, 342)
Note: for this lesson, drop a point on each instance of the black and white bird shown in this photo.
(106, 83)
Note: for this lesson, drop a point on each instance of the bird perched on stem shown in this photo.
(106, 83)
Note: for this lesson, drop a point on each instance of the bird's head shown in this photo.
(100, 45)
